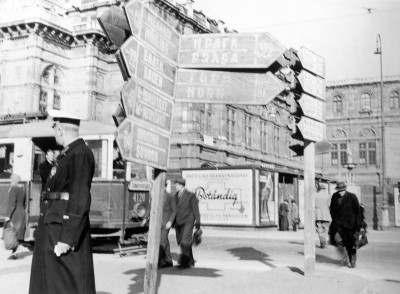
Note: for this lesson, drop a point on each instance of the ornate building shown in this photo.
(353, 117)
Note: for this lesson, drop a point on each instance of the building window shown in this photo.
(343, 153)
(394, 100)
(205, 119)
(337, 104)
(50, 89)
(43, 101)
(263, 135)
(334, 154)
(365, 101)
(248, 129)
(276, 140)
(339, 152)
(367, 153)
(231, 124)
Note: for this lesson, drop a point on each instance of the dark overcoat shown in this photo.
(66, 221)
(187, 209)
(344, 214)
(16, 209)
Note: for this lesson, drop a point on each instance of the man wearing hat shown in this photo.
(187, 217)
(344, 209)
(62, 257)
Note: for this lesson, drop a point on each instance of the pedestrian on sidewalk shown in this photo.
(283, 216)
(294, 215)
(62, 260)
(322, 213)
(169, 213)
(16, 212)
(344, 209)
(187, 217)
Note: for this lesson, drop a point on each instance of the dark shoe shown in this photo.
(183, 266)
(349, 265)
(13, 256)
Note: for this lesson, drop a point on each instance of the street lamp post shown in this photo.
(385, 212)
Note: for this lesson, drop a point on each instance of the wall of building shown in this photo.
(357, 124)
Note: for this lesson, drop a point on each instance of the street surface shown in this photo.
(239, 261)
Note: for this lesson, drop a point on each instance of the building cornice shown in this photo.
(361, 81)
(55, 34)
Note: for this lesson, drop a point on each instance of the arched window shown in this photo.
(50, 88)
(337, 104)
(394, 100)
(365, 101)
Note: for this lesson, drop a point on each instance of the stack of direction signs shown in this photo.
(161, 67)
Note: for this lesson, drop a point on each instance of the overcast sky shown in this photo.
(341, 31)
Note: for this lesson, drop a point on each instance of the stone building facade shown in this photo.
(55, 55)
(353, 118)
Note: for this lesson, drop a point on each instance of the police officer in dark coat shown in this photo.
(62, 257)
(344, 210)
(187, 217)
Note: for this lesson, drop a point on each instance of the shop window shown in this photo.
(6, 160)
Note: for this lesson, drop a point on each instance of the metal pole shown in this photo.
(385, 213)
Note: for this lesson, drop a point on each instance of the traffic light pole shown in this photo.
(309, 207)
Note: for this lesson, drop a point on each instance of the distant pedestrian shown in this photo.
(344, 209)
(187, 217)
(294, 215)
(45, 167)
(62, 260)
(283, 216)
(169, 213)
(322, 213)
(16, 212)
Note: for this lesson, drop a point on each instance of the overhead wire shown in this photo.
(320, 19)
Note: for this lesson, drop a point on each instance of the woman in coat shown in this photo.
(16, 211)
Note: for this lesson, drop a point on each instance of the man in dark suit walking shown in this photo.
(62, 260)
(46, 166)
(187, 217)
(344, 210)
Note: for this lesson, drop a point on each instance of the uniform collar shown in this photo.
(71, 146)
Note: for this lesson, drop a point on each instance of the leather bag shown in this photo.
(10, 236)
(360, 239)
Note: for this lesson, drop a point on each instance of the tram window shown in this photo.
(6, 160)
(99, 149)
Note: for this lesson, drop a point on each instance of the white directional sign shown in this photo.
(312, 62)
(205, 86)
(312, 130)
(312, 107)
(140, 143)
(257, 50)
(312, 85)
(152, 29)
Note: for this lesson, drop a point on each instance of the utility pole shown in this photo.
(385, 212)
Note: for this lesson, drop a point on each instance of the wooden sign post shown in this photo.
(309, 207)
(153, 245)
